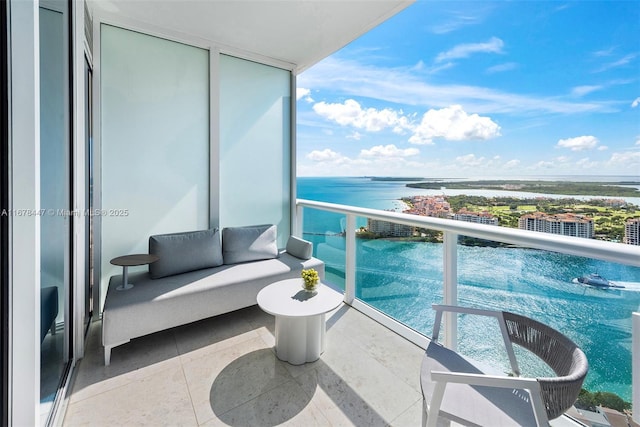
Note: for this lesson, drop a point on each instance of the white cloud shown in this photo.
(586, 163)
(635, 102)
(350, 113)
(494, 45)
(512, 164)
(585, 90)
(355, 135)
(455, 22)
(390, 150)
(543, 165)
(507, 66)
(453, 124)
(579, 143)
(619, 63)
(324, 155)
(638, 140)
(626, 158)
(603, 148)
(480, 164)
(408, 87)
(303, 93)
(470, 160)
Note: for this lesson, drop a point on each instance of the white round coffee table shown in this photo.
(300, 318)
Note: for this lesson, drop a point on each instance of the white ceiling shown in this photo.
(295, 33)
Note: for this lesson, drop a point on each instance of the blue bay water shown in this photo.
(404, 278)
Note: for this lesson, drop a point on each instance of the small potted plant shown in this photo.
(310, 280)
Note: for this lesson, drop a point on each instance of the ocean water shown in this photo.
(404, 278)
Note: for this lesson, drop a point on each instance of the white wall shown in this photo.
(154, 141)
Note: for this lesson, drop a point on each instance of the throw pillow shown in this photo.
(251, 243)
(182, 252)
(299, 248)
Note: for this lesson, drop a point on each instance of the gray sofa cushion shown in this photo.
(299, 248)
(251, 243)
(182, 252)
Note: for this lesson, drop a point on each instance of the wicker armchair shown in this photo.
(454, 388)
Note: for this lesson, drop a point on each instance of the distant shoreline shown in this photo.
(600, 189)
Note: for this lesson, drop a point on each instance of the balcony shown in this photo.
(223, 371)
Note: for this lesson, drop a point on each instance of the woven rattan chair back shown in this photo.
(562, 355)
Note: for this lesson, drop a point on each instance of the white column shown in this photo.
(24, 140)
(635, 367)
(79, 179)
(450, 288)
(350, 260)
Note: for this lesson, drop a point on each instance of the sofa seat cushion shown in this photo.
(154, 305)
(182, 252)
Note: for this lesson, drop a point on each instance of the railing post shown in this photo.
(450, 287)
(350, 260)
(299, 221)
(635, 366)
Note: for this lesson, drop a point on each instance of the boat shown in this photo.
(597, 281)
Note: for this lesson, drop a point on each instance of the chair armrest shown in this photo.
(498, 315)
(486, 380)
(442, 378)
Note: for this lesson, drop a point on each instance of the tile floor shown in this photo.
(223, 371)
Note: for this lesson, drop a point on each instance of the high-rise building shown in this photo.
(632, 231)
(477, 217)
(389, 229)
(564, 224)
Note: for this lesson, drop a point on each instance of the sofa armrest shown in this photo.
(299, 248)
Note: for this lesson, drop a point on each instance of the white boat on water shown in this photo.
(597, 281)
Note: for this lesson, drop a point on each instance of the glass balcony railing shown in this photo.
(426, 260)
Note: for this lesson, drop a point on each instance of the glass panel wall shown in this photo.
(154, 143)
(55, 201)
(255, 145)
(326, 231)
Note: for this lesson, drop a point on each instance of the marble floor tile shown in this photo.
(159, 399)
(212, 334)
(397, 354)
(285, 405)
(231, 377)
(140, 357)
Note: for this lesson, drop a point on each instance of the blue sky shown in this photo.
(479, 89)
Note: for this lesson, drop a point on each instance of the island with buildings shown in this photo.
(603, 219)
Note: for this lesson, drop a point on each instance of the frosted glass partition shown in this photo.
(154, 141)
(55, 200)
(54, 155)
(255, 145)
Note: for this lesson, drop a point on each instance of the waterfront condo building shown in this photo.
(632, 231)
(477, 217)
(563, 224)
(389, 229)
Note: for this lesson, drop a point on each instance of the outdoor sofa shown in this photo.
(200, 274)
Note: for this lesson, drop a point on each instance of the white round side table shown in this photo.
(300, 318)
